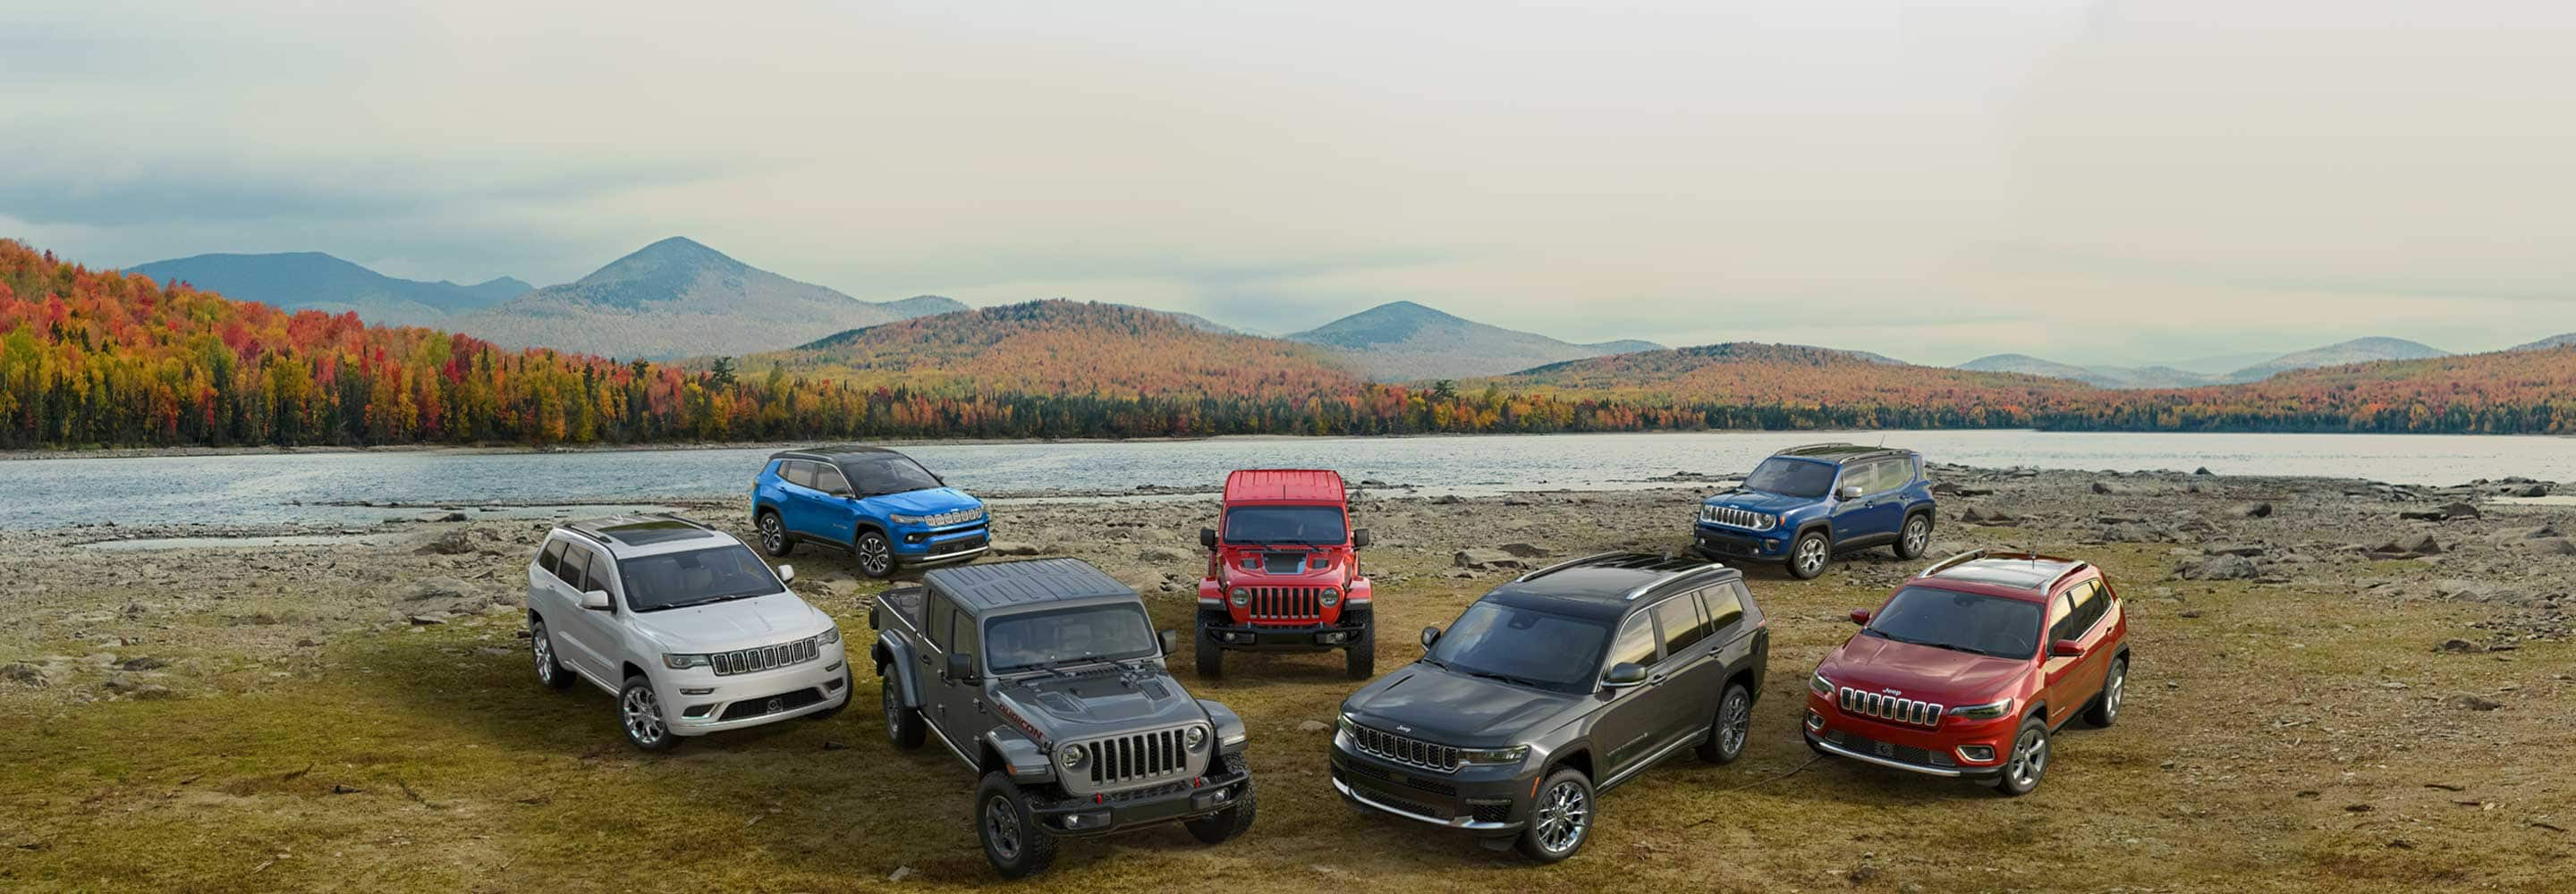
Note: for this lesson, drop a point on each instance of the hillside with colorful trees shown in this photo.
(92, 358)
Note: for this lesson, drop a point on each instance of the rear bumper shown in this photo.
(1170, 802)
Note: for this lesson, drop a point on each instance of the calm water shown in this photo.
(290, 488)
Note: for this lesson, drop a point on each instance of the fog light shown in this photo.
(697, 710)
(1097, 819)
(1334, 637)
(833, 684)
(1977, 754)
(1815, 721)
(912, 538)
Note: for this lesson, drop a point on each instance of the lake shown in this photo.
(299, 488)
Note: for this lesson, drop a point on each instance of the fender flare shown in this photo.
(1822, 524)
(1020, 758)
(897, 658)
(1231, 736)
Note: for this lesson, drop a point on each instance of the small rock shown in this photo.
(2254, 510)
(144, 663)
(430, 620)
(829, 745)
(1162, 554)
(2248, 550)
(2221, 567)
(452, 517)
(899, 874)
(1447, 500)
(2391, 684)
(451, 543)
(1311, 726)
(1485, 559)
(2105, 489)
(2459, 646)
(1014, 548)
(22, 673)
(2467, 702)
(1524, 550)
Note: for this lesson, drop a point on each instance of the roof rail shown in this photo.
(1816, 444)
(1569, 563)
(585, 534)
(1937, 567)
(674, 516)
(1651, 586)
(2063, 575)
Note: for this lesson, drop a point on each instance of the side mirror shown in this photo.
(1430, 635)
(1851, 492)
(961, 667)
(1207, 537)
(1359, 538)
(595, 600)
(1624, 674)
(2066, 648)
(786, 574)
(1169, 640)
(1860, 616)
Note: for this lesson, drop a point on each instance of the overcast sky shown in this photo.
(2088, 181)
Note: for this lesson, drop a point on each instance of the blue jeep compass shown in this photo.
(880, 505)
(1804, 504)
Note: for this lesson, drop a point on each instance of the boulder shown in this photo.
(2418, 545)
(449, 543)
(2248, 550)
(1014, 548)
(2532, 489)
(1486, 559)
(2551, 546)
(1523, 550)
(2220, 567)
(1162, 554)
(22, 673)
(2105, 489)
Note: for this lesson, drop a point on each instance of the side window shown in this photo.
(1886, 475)
(1900, 472)
(1860, 475)
(1680, 619)
(941, 614)
(828, 480)
(552, 558)
(1636, 642)
(970, 640)
(574, 568)
(2061, 618)
(2087, 607)
(1725, 607)
(799, 473)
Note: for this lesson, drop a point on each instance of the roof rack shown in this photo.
(1937, 567)
(1641, 590)
(2072, 565)
(2070, 571)
(674, 516)
(1569, 563)
(1812, 446)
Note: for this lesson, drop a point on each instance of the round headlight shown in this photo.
(1071, 756)
(1331, 597)
(1242, 596)
(1195, 737)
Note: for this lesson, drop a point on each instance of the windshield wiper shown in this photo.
(1920, 642)
(704, 601)
(1507, 678)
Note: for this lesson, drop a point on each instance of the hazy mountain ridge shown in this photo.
(2555, 341)
(2359, 350)
(1057, 346)
(312, 280)
(1404, 341)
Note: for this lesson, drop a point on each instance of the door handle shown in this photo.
(1655, 680)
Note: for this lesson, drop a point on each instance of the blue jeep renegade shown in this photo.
(880, 505)
(1804, 504)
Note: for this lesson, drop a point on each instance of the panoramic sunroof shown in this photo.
(2026, 575)
(649, 533)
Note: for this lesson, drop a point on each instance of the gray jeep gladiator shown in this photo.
(1047, 678)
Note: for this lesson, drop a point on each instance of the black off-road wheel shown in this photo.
(1013, 841)
(1810, 555)
(1733, 726)
(2027, 763)
(2115, 689)
(902, 725)
(1225, 825)
(1561, 820)
(873, 553)
(1916, 537)
(773, 534)
(1210, 659)
(1359, 659)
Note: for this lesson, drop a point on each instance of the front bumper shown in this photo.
(1944, 751)
(1486, 800)
(1271, 638)
(1723, 542)
(931, 546)
(744, 700)
(1169, 802)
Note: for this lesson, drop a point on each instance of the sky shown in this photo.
(2093, 181)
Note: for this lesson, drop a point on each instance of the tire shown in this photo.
(1013, 841)
(2115, 689)
(1916, 537)
(1732, 728)
(1359, 659)
(1210, 659)
(773, 534)
(847, 692)
(639, 711)
(542, 645)
(873, 553)
(1562, 815)
(902, 725)
(2029, 761)
(1810, 555)
(1225, 825)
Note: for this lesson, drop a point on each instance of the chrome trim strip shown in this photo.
(1884, 762)
(1640, 766)
(1465, 822)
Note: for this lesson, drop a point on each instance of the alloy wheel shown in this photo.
(2118, 686)
(545, 652)
(1811, 555)
(893, 709)
(1734, 723)
(2030, 759)
(1562, 817)
(643, 715)
(1002, 826)
(772, 534)
(1918, 534)
(876, 556)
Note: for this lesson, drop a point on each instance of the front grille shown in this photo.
(1303, 605)
(1890, 708)
(1136, 758)
(784, 701)
(1738, 518)
(1404, 750)
(747, 661)
(959, 545)
(958, 517)
(1429, 785)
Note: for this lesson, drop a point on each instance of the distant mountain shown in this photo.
(311, 280)
(2554, 341)
(2359, 350)
(1405, 341)
(1061, 347)
(2102, 376)
(677, 298)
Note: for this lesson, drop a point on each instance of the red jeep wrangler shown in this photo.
(1969, 669)
(1283, 573)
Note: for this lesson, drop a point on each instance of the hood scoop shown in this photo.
(1283, 563)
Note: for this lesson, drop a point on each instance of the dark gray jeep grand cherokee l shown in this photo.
(1046, 678)
(1553, 688)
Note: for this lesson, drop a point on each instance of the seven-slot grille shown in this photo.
(1136, 757)
(1404, 750)
(1299, 604)
(1888, 707)
(745, 661)
(1736, 518)
(958, 517)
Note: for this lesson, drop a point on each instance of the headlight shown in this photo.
(908, 519)
(1346, 726)
(1817, 684)
(1242, 596)
(684, 662)
(1072, 756)
(1195, 737)
(1987, 711)
(1331, 597)
(830, 635)
(1512, 755)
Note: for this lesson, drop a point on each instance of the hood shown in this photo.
(1923, 673)
(1282, 563)
(1456, 709)
(1762, 501)
(1117, 700)
(925, 502)
(737, 624)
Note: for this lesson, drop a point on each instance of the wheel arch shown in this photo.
(1576, 757)
(627, 670)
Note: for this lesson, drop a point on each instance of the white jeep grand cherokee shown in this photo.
(690, 629)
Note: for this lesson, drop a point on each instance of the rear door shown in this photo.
(1693, 673)
(1733, 643)
(797, 504)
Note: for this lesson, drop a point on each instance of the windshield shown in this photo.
(1309, 525)
(1035, 640)
(1968, 622)
(695, 577)
(1791, 477)
(878, 474)
(1524, 646)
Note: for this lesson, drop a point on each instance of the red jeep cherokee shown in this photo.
(1969, 669)
(1283, 572)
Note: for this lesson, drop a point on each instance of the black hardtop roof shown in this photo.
(1840, 452)
(832, 453)
(998, 585)
(1607, 585)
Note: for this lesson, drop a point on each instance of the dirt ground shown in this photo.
(2319, 699)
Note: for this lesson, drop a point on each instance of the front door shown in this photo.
(1875, 514)
(1640, 718)
(586, 632)
(833, 518)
